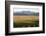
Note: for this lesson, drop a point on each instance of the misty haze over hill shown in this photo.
(26, 13)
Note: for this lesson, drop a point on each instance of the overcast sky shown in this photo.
(19, 10)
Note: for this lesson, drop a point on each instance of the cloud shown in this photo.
(25, 9)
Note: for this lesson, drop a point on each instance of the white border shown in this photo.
(28, 28)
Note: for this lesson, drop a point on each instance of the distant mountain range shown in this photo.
(26, 13)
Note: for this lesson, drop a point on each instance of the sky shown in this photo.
(25, 9)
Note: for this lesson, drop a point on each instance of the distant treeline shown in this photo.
(26, 13)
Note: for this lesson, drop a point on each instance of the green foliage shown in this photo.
(27, 24)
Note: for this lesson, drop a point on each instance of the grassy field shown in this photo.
(26, 21)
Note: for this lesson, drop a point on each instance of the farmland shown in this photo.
(26, 21)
